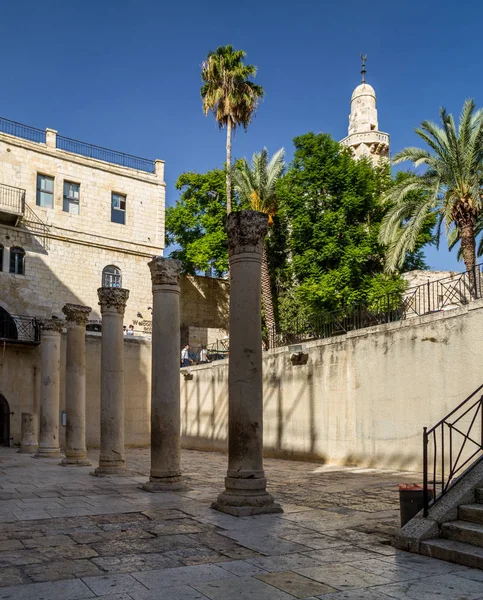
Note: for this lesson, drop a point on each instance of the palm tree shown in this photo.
(229, 94)
(450, 187)
(256, 184)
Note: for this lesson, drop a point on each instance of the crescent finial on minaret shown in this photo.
(363, 70)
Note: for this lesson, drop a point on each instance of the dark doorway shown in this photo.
(8, 328)
(4, 422)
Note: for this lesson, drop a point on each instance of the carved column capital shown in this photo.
(53, 325)
(76, 314)
(113, 299)
(246, 230)
(165, 271)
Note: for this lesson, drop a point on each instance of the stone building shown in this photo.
(364, 137)
(73, 217)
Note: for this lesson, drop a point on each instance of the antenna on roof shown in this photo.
(363, 70)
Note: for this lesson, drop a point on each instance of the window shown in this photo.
(1, 257)
(118, 208)
(71, 197)
(111, 277)
(17, 260)
(45, 191)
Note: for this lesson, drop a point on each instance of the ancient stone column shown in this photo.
(165, 390)
(50, 389)
(75, 385)
(29, 443)
(112, 459)
(245, 484)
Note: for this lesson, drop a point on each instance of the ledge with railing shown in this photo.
(40, 136)
(452, 448)
(12, 199)
(434, 296)
(19, 329)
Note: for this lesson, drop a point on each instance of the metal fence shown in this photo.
(431, 297)
(12, 199)
(19, 329)
(110, 156)
(23, 131)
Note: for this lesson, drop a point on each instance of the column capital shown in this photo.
(165, 271)
(112, 299)
(76, 313)
(246, 230)
(53, 325)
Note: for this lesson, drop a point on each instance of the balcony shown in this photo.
(12, 204)
(18, 329)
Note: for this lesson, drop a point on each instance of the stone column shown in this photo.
(165, 389)
(75, 385)
(29, 443)
(50, 389)
(245, 484)
(111, 459)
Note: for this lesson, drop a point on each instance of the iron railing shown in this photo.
(110, 156)
(452, 448)
(431, 297)
(12, 199)
(22, 131)
(19, 329)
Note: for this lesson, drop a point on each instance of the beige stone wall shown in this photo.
(362, 399)
(67, 265)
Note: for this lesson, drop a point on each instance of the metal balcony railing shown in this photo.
(12, 199)
(19, 329)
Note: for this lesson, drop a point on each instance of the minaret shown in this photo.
(364, 137)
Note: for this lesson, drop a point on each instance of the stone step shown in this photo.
(463, 531)
(456, 552)
(479, 494)
(471, 512)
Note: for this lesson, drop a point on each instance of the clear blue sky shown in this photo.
(125, 74)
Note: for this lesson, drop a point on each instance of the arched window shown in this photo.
(1, 257)
(17, 260)
(111, 277)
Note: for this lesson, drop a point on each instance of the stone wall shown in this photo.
(361, 399)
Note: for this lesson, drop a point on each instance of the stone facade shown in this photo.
(66, 253)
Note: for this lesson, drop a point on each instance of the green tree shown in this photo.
(330, 206)
(256, 185)
(450, 187)
(196, 223)
(230, 95)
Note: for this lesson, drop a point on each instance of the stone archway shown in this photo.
(4, 422)
(8, 327)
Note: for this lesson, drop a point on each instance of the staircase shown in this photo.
(460, 541)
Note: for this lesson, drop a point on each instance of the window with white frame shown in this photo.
(71, 197)
(111, 277)
(45, 191)
(118, 208)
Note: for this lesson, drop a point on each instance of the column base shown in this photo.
(28, 449)
(245, 498)
(75, 462)
(118, 471)
(164, 484)
(42, 453)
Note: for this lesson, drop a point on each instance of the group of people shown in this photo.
(129, 332)
(186, 361)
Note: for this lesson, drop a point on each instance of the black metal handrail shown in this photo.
(431, 297)
(19, 328)
(100, 153)
(22, 131)
(453, 447)
(12, 199)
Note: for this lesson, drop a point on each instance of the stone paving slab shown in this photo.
(69, 536)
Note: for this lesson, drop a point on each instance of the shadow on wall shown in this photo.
(40, 293)
(204, 302)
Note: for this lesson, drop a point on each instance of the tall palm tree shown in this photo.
(451, 187)
(256, 184)
(229, 94)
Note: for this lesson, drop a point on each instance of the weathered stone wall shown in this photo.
(67, 265)
(361, 399)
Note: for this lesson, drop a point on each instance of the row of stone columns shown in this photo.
(245, 485)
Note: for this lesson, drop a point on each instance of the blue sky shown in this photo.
(125, 74)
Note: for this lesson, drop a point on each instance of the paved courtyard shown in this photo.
(65, 535)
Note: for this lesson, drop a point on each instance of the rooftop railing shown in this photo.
(39, 136)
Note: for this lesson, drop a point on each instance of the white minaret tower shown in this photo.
(364, 137)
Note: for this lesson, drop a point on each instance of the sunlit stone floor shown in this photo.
(65, 535)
